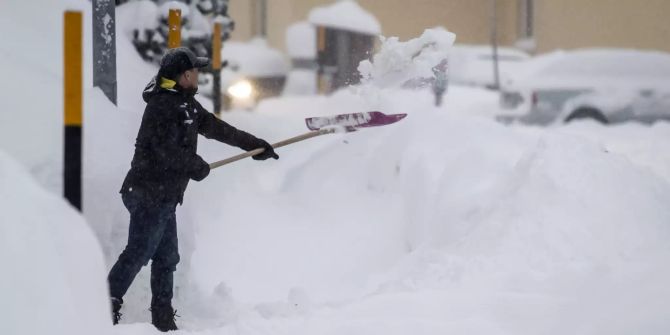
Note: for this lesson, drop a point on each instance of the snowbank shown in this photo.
(345, 15)
(33, 102)
(53, 279)
(441, 223)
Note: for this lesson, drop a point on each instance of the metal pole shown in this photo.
(264, 18)
(174, 29)
(494, 44)
(260, 18)
(72, 106)
(216, 67)
(104, 47)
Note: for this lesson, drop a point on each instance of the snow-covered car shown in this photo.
(254, 72)
(472, 65)
(605, 85)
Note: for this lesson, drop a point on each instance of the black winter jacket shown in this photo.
(165, 150)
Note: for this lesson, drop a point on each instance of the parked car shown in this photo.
(472, 65)
(254, 72)
(604, 85)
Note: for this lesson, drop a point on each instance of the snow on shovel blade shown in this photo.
(351, 122)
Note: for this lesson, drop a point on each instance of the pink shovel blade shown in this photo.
(351, 122)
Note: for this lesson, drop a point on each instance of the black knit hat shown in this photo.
(178, 60)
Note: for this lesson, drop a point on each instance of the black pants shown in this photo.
(152, 235)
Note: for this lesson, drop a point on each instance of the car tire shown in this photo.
(587, 113)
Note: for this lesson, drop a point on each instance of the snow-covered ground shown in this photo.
(446, 222)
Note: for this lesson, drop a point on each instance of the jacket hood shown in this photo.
(150, 90)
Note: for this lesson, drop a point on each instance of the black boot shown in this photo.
(116, 310)
(163, 318)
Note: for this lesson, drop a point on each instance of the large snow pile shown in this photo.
(53, 273)
(437, 224)
(525, 231)
(345, 15)
(33, 101)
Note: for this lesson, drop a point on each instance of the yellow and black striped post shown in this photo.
(216, 68)
(73, 106)
(174, 29)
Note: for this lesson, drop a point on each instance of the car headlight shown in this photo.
(241, 90)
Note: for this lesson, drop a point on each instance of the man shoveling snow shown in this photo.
(165, 160)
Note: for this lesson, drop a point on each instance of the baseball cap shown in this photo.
(177, 60)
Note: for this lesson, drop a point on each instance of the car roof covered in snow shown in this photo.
(621, 62)
(504, 53)
(595, 67)
(254, 58)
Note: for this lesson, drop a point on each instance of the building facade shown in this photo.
(535, 25)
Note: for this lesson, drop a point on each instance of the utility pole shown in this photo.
(260, 17)
(216, 67)
(494, 44)
(104, 47)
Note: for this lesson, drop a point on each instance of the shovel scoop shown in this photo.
(325, 125)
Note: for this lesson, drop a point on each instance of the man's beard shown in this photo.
(190, 90)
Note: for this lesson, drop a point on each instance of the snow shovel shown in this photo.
(322, 126)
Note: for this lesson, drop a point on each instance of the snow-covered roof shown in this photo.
(254, 58)
(301, 40)
(346, 15)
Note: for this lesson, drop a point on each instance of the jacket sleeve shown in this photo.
(165, 138)
(214, 128)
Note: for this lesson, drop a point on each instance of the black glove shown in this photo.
(268, 153)
(199, 169)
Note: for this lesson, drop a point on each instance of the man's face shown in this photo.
(189, 79)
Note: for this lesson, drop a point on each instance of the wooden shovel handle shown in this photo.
(286, 142)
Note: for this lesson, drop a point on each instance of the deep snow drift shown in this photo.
(53, 273)
(443, 223)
